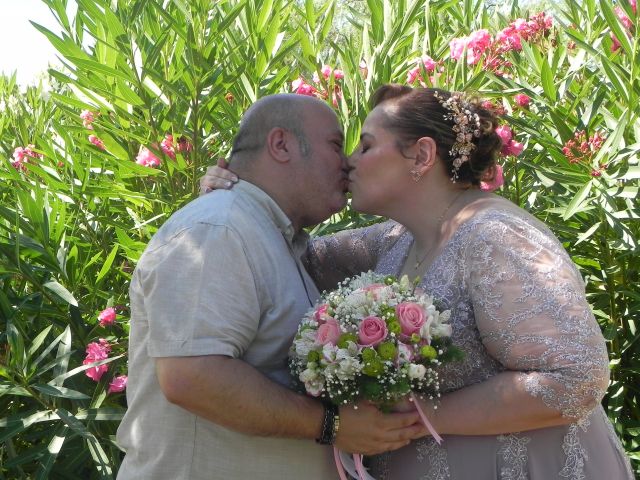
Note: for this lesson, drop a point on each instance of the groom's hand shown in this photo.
(368, 431)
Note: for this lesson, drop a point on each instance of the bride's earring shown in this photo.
(416, 175)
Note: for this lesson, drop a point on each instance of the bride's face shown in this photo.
(379, 172)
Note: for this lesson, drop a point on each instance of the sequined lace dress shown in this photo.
(517, 304)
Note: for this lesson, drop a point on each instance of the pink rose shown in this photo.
(372, 331)
(107, 316)
(118, 384)
(321, 314)
(411, 317)
(328, 332)
(373, 289)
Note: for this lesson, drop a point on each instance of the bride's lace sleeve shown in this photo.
(531, 311)
(332, 258)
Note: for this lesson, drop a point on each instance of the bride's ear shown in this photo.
(426, 156)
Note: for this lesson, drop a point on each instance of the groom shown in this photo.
(215, 301)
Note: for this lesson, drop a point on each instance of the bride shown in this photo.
(524, 403)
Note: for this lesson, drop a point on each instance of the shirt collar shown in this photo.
(297, 240)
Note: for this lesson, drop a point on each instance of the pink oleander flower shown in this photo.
(328, 332)
(107, 316)
(300, 87)
(364, 68)
(184, 146)
(624, 19)
(494, 180)
(326, 71)
(493, 107)
(415, 73)
(88, 118)
(97, 351)
(147, 158)
(411, 317)
(21, 155)
(97, 142)
(522, 100)
(168, 147)
(479, 40)
(118, 384)
(505, 134)
(372, 331)
(513, 148)
(457, 46)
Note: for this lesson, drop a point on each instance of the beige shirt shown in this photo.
(219, 278)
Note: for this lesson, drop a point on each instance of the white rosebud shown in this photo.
(308, 375)
(417, 371)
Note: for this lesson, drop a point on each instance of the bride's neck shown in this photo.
(428, 216)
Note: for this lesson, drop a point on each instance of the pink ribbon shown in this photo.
(336, 457)
(357, 458)
(425, 420)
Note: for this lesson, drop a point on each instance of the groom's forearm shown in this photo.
(235, 395)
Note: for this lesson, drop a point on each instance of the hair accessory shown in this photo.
(467, 126)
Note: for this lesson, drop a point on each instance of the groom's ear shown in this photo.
(427, 153)
(279, 144)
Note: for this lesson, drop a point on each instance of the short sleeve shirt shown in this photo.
(222, 277)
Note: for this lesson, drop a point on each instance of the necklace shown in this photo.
(420, 261)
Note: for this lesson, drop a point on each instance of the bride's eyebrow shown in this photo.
(364, 135)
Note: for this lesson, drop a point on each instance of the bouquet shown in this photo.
(376, 338)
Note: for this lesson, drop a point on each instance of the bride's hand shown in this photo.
(217, 177)
(404, 405)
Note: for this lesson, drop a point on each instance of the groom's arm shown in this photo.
(233, 394)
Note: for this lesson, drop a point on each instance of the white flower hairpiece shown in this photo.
(467, 126)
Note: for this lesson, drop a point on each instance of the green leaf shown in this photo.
(35, 345)
(547, 81)
(61, 392)
(578, 200)
(62, 292)
(106, 267)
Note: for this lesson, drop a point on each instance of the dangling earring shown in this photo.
(416, 175)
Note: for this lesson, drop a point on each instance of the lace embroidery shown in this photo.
(564, 364)
(576, 455)
(436, 456)
(514, 453)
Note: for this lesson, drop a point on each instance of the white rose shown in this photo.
(308, 375)
(347, 368)
(314, 387)
(441, 330)
(417, 371)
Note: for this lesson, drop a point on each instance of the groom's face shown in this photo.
(323, 168)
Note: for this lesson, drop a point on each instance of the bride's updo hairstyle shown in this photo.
(419, 112)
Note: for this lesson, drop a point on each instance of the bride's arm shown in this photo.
(332, 258)
(530, 308)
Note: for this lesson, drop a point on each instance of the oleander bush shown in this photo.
(97, 155)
